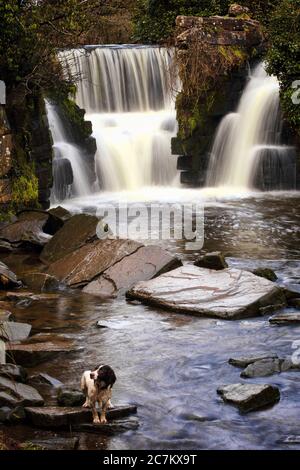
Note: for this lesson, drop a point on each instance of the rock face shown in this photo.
(8, 279)
(21, 394)
(142, 265)
(228, 294)
(76, 232)
(214, 260)
(286, 319)
(84, 264)
(57, 417)
(249, 397)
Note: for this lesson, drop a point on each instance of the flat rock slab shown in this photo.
(57, 417)
(144, 264)
(85, 264)
(29, 355)
(76, 232)
(249, 397)
(246, 360)
(227, 294)
(286, 319)
(14, 331)
(23, 394)
(110, 428)
(53, 443)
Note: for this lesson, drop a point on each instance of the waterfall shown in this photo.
(69, 169)
(127, 96)
(247, 150)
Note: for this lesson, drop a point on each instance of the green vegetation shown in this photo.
(284, 56)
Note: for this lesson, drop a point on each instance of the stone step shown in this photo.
(53, 417)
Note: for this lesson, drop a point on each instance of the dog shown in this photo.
(97, 387)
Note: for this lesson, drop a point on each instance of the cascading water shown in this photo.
(126, 93)
(248, 142)
(69, 168)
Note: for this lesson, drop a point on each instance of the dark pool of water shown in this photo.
(169, 364)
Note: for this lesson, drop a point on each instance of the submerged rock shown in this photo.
(110, 428)
(214, 260)
(227, 294)
(70, 397)
(143, 264)
(52, 417)
(85, 264)
(249, 397)
(267, 273)
(13, 331)
(20, 393)
(8, 279)
(262, 368)
(52, 443)
(285, 319)
(40, 281)
(13, 372)
(246, 360)
(75, 233)
(29, 355)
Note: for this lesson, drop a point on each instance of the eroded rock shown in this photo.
(249, 397)
(145, 263)
(227, 294)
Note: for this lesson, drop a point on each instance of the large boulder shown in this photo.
(249, 397)
(86, 263)
(75, 233)
(70, 397)
(228, 294)
(22, 394)
(143, 264)
(8, 279)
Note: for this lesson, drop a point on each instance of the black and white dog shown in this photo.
(97, 387)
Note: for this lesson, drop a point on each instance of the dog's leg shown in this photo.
(103, 405)
(109, 405)
(86, 403)
(96, 419)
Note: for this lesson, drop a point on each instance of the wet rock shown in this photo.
(2, 351)
(44, 379)
(8, 279)
(17, 415)
(227, 294)
(30, 355)
(238, 10)
(262, 368)
(214, 260)
(27, 229)
(13, 372)
(5, 247)
(4, 413)
(295, 302)
(53, 443)
(246, 360)
(249, 397)
(267, 273)
(40, 281)
(285, 319)
(21, 393)
(110, 428)
(29, 296)
(100, 324)
(75, 233)
(7, 400)
(291, 440)
(70, 397)
(52, 417)
(5, 315)
(61, 213)
(13, 331)
(85, 264)
(142, 265)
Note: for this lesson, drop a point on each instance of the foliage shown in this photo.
(25, 189)
(284, 55)
(155, 19)
(261, 10)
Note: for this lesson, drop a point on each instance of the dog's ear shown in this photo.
(107, 375)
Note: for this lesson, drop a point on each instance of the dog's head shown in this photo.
(103, 376)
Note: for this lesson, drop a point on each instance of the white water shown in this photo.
(64, 149)
(244, 136)
(127, 95)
